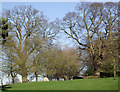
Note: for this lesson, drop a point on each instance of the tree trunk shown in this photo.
(114, 69)
(36, 75)
(65, 78)
(24, 78)
(23, 72)
(70, 77)
(96, 71)
(97, 66)
(114, 73)
(24, 75)
(13, 80)
(58, 77)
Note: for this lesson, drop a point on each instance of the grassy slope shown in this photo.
(82, 84)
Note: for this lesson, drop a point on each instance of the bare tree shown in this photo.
(91, 21)
(28, 31)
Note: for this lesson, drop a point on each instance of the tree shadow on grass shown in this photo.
(4, 88)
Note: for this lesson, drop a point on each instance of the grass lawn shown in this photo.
(81, 84)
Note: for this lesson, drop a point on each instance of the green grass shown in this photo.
(81, 84)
